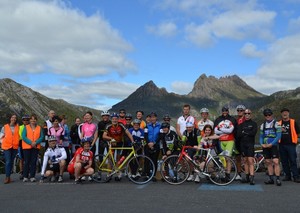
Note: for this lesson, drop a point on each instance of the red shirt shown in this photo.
(116, 131)
(84, 156)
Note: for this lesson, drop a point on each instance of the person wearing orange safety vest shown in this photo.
(10, 143)
(287, 146)
(32, 136)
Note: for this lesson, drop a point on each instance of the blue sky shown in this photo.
(96, 53)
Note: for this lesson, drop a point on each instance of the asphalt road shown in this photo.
(157, 196)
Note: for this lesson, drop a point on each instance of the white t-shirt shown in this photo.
(202, 123)
(182, 122)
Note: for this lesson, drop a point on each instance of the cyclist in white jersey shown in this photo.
(204, 119)
(54, 161)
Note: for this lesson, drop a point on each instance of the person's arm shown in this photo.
(41, 138)
(227, 130)
(178, 130)
(278, 134)
(77, 159)
(129, 135)
(95, 137)
(63, 154)
(90, 162)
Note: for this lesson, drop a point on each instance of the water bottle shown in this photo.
(121, 160)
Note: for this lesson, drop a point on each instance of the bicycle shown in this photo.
(176, 169)
(138, 168)
(2, 162)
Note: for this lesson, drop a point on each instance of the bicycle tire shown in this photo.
(136, 169)
(173, 171)
(217, 169)
(2, 167)
(102, 169)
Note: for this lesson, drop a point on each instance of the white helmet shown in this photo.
(241, 106)
(105, 113)
(204, 110)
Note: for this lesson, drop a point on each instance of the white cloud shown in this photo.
(164, 29)
(39, 36)
(294, 25)
(237, 25)
(93, 94)
(181, 87)
(250, 50)
(280, 67)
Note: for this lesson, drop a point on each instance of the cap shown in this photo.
(153, 114)
(268, 112)
(284, 110)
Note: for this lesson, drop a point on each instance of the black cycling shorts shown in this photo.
(237, 146)
(247, 149)
(271, 153)
(53, 167)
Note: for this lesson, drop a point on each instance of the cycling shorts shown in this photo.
(247, 149)
(54, 167)
(271, 153)
(227, 147)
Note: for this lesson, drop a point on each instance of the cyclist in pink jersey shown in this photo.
(89, 129)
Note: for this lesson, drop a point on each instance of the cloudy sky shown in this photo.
(97, 52)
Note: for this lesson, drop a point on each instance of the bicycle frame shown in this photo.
(110, 154)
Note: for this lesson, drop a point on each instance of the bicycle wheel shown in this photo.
(103, 168)
(140, 169)
(221, 169)
(2, 167)
(173, 171)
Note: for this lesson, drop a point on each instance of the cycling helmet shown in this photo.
(114, 115)
(203, 110)
(189, 124)
(167, 116)
(153, 114)
(241, 107)
(225, 108)
(105, 113)
(136, 121)
(165, 125)
(128, 115)
(51, 138)
(25, 117)
(267, 112)
(86, 140)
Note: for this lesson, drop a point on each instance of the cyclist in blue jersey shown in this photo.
(270, 134)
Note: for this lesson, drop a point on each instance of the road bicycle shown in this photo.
(138, 168)
(2, 162)
(220, 170)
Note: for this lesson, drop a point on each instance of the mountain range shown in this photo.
(208, 91)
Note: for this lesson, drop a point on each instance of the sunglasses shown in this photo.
(247, 113)
(128, 119)
(25, 120)
(267, 114)
(240, 110)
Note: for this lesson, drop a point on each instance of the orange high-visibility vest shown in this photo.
(10, 140)
(293, 131)
(32, 135)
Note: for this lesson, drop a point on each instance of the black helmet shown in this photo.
(128, 115)
(167, 116)
(225, 108)
(267, 112)
(165, 125)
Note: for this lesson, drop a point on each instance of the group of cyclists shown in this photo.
(73, 149)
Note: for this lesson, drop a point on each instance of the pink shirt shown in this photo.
(88, 129)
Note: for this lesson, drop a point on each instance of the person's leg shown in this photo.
(292, 155)
(284, 158)
(33, 159)
(8, 164)
(26, 153)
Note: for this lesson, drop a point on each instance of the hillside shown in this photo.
(19, 99)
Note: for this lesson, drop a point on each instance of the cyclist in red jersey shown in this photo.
(115, 132)
(81, 163)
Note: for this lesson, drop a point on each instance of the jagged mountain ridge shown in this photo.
(19, 99)
(224, 88)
